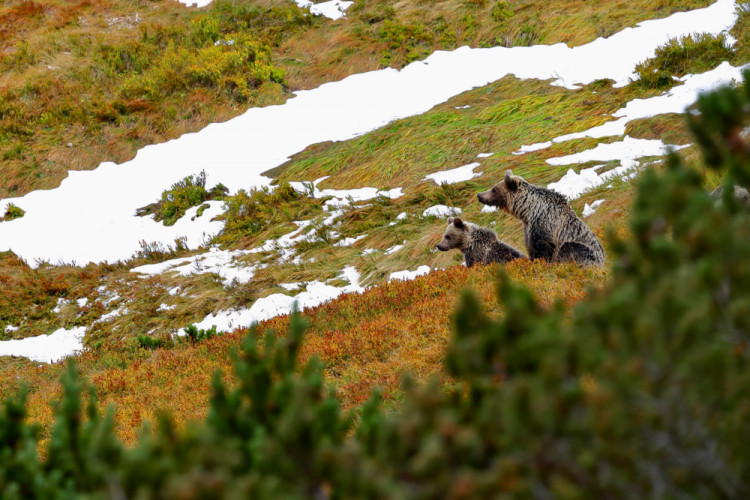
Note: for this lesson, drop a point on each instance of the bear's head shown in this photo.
(454, 235)
(501, 195)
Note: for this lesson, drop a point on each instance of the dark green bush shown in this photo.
(148, 342)
(196, 335)
(641, 391)
(689, 54)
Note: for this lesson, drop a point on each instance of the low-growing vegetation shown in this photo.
(638, 390)
(12, 212)
(689, 54)
(91, 81)
(187, 193)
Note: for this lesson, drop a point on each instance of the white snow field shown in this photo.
(90, 217)
(46, 348)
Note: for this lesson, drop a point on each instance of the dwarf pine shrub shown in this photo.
(194, 334)
(640, 391)
(689, 54)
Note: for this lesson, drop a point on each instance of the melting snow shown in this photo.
(112, 314)
(10, 328)
(165, 307)
(343, 197)
(60, 224)
(195, 3)
(484, 155)
(395, 248)
(221, 262)
(452, 176)
(409, 275)
(60, 304)
(591, 209)
(488, 209)
(350, 241)
(333, 9)
(627, 151)
(46, 348)
(316, 293)
(676, 100)
(441, 211)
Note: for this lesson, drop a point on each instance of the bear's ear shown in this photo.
(511, 181)
(458, 223)
(450, 220)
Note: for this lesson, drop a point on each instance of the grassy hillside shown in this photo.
(109, 77)
(365, 341)
(88, 81)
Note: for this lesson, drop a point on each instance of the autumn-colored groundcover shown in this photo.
(639, 390)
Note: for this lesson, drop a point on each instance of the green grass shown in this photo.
(689, 54)
(187, 193)
(84, 82)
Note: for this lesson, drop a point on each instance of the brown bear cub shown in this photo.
(551, 229)
(478, 244)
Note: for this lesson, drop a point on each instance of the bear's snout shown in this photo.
(440, 247)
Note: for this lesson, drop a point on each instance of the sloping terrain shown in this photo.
(313, 241)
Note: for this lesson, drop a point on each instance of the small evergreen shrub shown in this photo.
(149, 342)
(689, 54)
(195, 335)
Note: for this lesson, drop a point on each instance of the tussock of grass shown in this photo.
(187, 193)
(689, 54)
(12, 212)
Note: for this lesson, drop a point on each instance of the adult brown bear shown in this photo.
(552, 231)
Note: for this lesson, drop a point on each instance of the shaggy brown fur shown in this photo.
(551, 229)
(478, 244)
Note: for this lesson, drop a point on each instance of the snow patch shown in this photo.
(315, 294)
(488, 209)
(591, 209)
(343, 197)
(395, 248)
(441, 211)
(46, 348)
(349, 241)
(221, 262)
(195, 3)
(409, 275)
(628, 152)
(333, 9)
(676, 100)
(455, 175)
